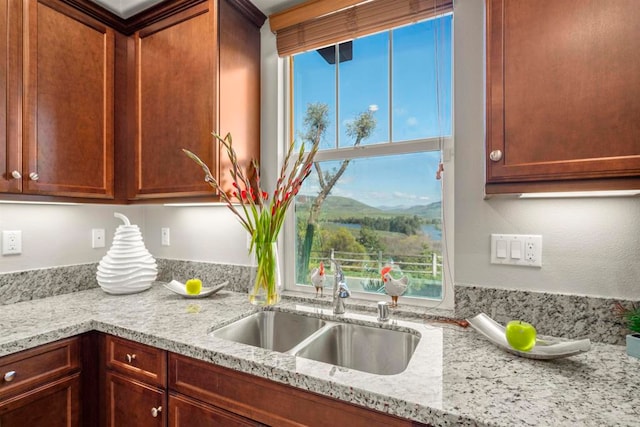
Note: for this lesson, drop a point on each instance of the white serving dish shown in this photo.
(179, 288)
(544, 349)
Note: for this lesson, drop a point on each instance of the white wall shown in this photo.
(590, 246)
(198, 233)
(56, 235)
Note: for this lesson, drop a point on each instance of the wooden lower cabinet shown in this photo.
(40, 387)
(185, 412)
(131, 403)
(55, 404)
(266, 401)
(100, 380)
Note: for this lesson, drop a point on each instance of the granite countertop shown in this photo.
(455, 377)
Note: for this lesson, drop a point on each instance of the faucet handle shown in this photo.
(343, 290)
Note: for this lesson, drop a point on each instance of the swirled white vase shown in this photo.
(128, 267)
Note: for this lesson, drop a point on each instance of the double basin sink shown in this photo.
(362, 348)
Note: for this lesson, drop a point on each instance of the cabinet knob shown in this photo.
(131, 357)
(156, 411)
(10, 376)
(495, 155)
(34, 176)
(16, 175)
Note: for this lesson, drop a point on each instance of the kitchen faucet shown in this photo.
(340, 289)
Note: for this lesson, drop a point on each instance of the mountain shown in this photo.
(339, 207)
(432, 210)
(343, 207)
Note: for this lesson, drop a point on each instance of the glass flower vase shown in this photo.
(266, 285)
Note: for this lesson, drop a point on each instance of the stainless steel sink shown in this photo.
(273, 330)
(363, 348)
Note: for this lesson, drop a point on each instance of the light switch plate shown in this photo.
(521, 249)
(165, 234)
(97, 238)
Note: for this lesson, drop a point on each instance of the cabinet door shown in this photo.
(53, 405)
(133, 404)
(563, 94)
(10, 91)
(185, 412)
(68, 96)
(239, 91)
(176, 103)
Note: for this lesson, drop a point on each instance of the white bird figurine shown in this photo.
(394, 287)
(317, 278)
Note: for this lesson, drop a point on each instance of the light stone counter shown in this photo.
(454, 378)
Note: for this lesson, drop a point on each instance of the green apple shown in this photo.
(520, 335)
(193, 286)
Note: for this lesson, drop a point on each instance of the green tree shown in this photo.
(370, 240)
(316, 119)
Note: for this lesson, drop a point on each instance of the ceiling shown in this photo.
(127, 8)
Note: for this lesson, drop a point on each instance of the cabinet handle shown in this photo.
(10, 376)
(16, 175)
(34, 176)
(131, 357)
(156, 411)
(495, 155)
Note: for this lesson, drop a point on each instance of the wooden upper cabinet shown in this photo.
(563, 95)
(68, 102)
(176, 79)
(196, 72)
(10, 95)
(239, 87)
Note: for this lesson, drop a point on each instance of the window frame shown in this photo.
(445, 144)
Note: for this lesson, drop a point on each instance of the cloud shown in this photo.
(373, 108)
(399, 195)
(400, 111)
(412, 121)
(409, 196)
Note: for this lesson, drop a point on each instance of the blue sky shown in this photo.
(406, 180)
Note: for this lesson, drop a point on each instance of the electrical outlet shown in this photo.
(166, 236)
(533, 250)
(97, 238)
(11, 242)
(516, 249)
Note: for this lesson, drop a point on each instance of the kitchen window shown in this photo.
(378, 196)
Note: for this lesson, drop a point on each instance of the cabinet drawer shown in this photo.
(267, 401)
(56, 404)
(30, 368)
(136, 360)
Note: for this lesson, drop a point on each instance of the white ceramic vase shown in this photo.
(128, 267)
